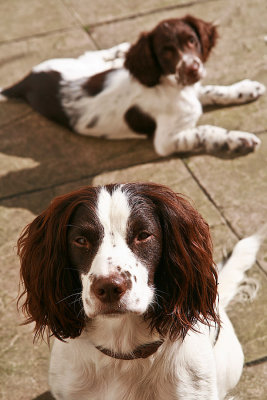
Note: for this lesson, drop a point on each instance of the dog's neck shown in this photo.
(122, 335)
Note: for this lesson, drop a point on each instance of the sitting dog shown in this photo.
(150, 88)
(123, 277)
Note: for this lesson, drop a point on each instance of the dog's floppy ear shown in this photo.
(46, 276)
(141, 61)
(186, 279)
(206, 32)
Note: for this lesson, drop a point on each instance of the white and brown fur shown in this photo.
(109, 269)
(150, 88)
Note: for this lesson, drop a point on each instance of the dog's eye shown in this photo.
(142, 236)
(192, 40)
(81, 241)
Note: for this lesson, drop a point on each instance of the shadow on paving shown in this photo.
(38, 154)
(43, 155)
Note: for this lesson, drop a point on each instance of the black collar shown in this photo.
(143, 351)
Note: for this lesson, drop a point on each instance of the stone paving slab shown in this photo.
(230, 16)
(120, 9)
(252, 385)
(22, 365)
(36, 17)
(243, 200)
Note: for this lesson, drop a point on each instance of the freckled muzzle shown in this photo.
(189, 70)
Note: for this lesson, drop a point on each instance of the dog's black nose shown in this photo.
(109, 289)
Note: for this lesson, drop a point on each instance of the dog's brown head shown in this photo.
(119, 249)
(174, 46)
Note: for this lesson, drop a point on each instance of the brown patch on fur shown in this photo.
(44, 250)
(95, 84)
(139, 121)
(42, 91)
(142, 63)
(93, 122)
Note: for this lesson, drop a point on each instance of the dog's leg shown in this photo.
(107, 55)
(207, 139)
(101, 60)
(239, 93)
(115, 52)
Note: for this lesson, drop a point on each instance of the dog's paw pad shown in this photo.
(246, 143)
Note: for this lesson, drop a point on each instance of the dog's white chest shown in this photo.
(189, 108)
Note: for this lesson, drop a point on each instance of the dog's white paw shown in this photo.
(248, 90)
(116, 52)
(241, 143)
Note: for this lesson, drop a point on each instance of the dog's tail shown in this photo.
(2, 96)
(232, 273)
(15, 91)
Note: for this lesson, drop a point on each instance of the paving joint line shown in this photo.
(204, 190)
(227, 222)
(40, 34)
(71, 10)
(258, 361)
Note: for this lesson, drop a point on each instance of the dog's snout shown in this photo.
(194, 65)
(190, 65)
(110, 289)
(189, 70)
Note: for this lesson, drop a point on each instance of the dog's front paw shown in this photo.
(116, 52)
(247, 90)
(241, 143)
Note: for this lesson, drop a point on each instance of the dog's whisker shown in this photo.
(71, 295)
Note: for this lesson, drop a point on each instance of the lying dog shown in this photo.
(123, 277)
(152, 92)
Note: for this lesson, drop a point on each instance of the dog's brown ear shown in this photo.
(206, 32)
(141, 61)
(50, 285)
(186, 279)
